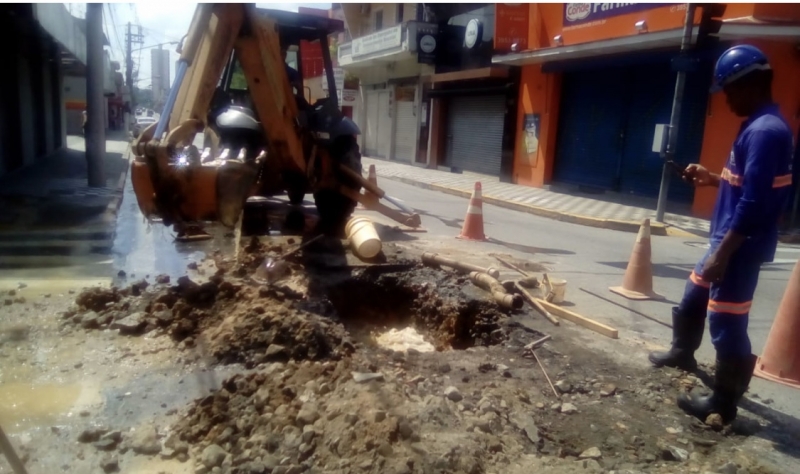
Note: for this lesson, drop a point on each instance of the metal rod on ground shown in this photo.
(629, 309)
(11, 455)
(545, 374)
(674, 120)
(511, 266)
(536, 344)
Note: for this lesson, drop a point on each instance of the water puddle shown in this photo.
(24, 405)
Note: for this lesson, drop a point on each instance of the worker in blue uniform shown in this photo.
(754, 188)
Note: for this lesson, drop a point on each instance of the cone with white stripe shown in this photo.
(473, 224)
(637, 284)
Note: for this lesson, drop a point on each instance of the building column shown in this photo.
(96, 131)
(47, 99)
(59, 109)
(436, 133)
(26, 110)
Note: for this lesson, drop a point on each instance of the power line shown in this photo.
(121, 48)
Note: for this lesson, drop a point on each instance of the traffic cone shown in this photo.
(473, 223)
(780, 361)
(637, 284)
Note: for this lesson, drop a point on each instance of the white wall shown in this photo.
(56, 20)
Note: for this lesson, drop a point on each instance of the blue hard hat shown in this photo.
(737, 62)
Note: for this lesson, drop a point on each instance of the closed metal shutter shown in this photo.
(405, 140)
(371, 129)
(606, 125)
(590, 122)
(384, 128)
(651, 92)
(475, 133)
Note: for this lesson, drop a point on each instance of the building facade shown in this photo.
(384, 55)
(431, 95)
(595, 80)
(48, 44)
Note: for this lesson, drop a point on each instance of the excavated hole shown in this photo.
(438, 310)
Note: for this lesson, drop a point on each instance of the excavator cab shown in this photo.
(261, 135)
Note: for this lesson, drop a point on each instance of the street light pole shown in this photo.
(674, 120)
(95, 113)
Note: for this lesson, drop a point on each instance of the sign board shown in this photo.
(660, 138)
(511, 26)
(338, 77)
(531, 135)
(346, 97)
(581, 13)
(473, 33)
(426, 43)
(379, 41)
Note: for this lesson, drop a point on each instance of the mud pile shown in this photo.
(306, 316)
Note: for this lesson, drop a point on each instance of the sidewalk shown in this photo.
(564, 206)
(49, 217)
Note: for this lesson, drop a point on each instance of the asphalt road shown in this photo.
(595, 259)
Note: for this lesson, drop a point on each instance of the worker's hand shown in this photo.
(714, 268)
(697, 175)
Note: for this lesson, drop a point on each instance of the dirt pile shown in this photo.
(323, 397)
(482, 410)
(306, 316)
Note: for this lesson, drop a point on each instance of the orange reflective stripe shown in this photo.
(733, 179)
(729, 308)
(782, 181)
(698, 280)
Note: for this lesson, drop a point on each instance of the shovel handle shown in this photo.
(300, 247)
(530, 299)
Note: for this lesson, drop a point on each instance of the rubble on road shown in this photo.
(318, 392)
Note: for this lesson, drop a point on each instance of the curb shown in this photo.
(656, 228)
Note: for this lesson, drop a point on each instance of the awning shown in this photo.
(646, 41)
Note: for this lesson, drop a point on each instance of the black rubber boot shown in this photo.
(731, 380)
(687, 334)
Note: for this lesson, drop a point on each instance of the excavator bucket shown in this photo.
(234, 183)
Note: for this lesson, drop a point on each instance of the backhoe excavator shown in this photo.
(259, 140)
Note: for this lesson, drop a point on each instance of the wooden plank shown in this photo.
(580, 320)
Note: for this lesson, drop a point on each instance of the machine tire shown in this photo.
(334, 208)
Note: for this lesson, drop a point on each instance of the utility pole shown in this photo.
(130, 40)
(96, 130)
(710, 23)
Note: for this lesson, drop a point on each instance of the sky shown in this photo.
(164, 21)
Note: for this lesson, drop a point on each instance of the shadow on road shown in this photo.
(661, 270)
(530, 249)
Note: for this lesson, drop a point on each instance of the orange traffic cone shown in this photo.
(637, 284)
(780, 361)
(473, 224)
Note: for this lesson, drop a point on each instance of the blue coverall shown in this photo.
(755, 187)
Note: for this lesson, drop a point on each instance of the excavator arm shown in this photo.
(173, 181)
